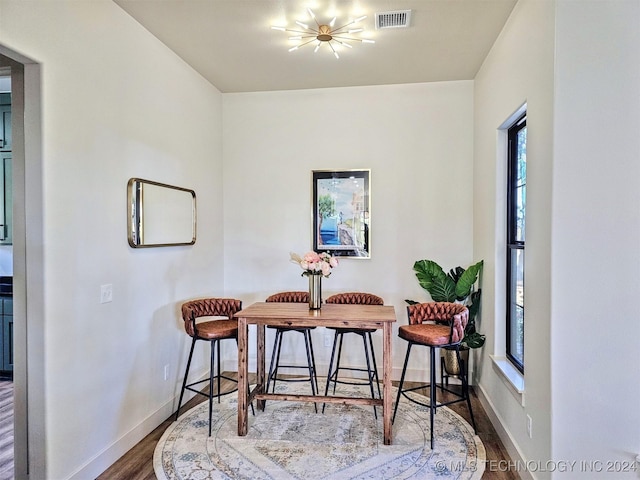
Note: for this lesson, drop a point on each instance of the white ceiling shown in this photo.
(231, 43)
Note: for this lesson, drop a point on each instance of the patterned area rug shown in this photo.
(290, 441)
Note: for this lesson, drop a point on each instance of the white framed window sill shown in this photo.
(510, 376)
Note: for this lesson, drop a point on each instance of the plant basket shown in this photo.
(450, 363)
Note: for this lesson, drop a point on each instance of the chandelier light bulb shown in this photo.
(325, 33)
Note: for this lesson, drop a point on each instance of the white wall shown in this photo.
(116, 103)
(518, 70)
(576, 66)
(596, 234)
(417, 141)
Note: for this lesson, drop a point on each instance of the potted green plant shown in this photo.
(458, 285)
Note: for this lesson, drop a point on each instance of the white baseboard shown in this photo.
(507, 440)
(107, 457)
(111, 454)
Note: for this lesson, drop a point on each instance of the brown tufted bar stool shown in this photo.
(213, 331)
(446, 329)
(292, 297)
(355, 298)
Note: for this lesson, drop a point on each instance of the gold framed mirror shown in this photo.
(160, 215)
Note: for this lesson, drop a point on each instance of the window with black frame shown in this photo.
(516, 209)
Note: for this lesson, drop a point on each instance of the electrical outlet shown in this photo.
(166, 372)
(106, 293)
(529, 426)
(327, 340)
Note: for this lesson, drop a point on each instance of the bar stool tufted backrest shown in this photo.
(454, 314)
(355, 298)
(289, 297)
(208, 307)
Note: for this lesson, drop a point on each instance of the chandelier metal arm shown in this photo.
(337, 30)
(334, 50)
(306, 43)
(314, 17)
(303, 37)
(339, 37)
(310, 31)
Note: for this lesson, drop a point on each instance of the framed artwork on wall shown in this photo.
(341, 212)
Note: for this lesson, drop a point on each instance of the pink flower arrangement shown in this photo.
(314, 263)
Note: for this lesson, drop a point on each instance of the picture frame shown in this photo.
(341, 212)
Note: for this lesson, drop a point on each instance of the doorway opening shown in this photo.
(26, 220)
(6, 280)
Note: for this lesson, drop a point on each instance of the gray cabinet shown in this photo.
(6, 191)
(6, 315)
(6, 236)
(6, 199)
(5, 121)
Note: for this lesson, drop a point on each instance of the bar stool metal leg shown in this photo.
(275, 362)
(432, 389)
(311, 365)
(211, 375)
(186, 374)
(465, 386)
(369, 374)
(371, 370)
(275, 359)
(373, 358)
(404, 371)
(433, 386)
(329, 375)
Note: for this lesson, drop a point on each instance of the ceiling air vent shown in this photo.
(396, 19)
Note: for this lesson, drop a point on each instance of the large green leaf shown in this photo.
(433, 279)
(474, 340)
(466, 280)
(455, 273)
(474, 305)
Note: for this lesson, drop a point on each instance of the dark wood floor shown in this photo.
(137, 464)
(6, 430)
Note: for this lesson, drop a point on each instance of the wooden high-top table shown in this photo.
(298, 315)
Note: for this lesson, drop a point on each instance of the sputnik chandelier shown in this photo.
(325, 34)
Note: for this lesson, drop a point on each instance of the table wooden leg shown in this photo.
(386, 383)
(243, 375)
(260, 358)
